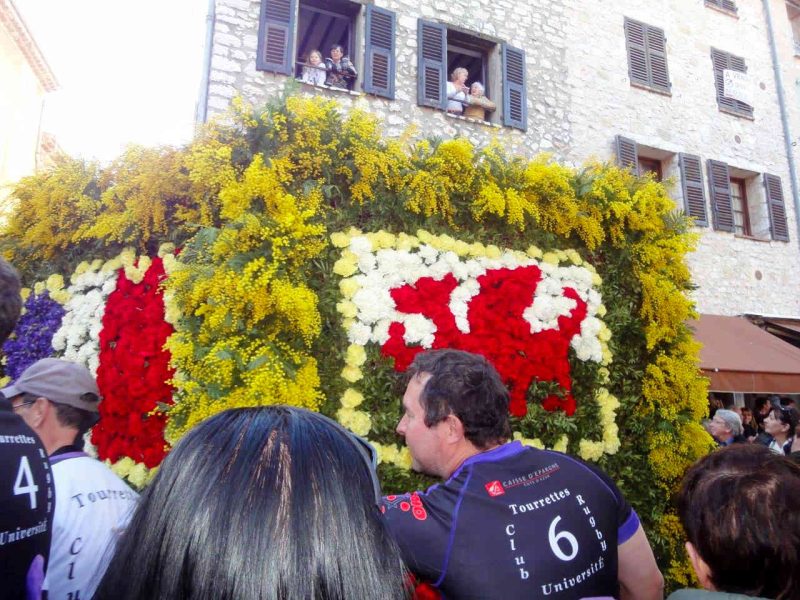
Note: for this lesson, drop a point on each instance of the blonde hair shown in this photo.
(457, 71)
(313, 52)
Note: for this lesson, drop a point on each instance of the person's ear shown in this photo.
(700, 567)
(454, 429)
(38, 412)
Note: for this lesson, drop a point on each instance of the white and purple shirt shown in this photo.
(93, 506)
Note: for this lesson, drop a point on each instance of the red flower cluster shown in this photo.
(498, 331)
(133, 371)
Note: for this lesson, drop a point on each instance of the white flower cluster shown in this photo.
(378, 272)
(78, 337)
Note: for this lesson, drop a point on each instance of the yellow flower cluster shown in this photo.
(244, 317)
(137, 474)
(54, 285)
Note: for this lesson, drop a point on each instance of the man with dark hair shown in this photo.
(59, 400)
(740, 508)
(26, 487)
(508, 521)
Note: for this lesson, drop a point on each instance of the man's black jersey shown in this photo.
(26, 507)
(515, 522)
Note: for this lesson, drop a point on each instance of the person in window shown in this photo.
(341, 72)
(479, 104)
(457, 91)
(314, 72)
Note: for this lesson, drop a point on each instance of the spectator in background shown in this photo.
(749, 428)
(457, 91)
(479, 104)
(341, 72)
(314, 71)
(740, 508)
(270, 502)
(26, 487)
(726, 427)
(780, 425)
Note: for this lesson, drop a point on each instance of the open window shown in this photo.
(290, 30)
(747, 203)
(321, 24)
(498, 67)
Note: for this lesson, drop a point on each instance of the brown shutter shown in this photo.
(721, 61)
(627, 154)
(637, 52)
(719, 186)
(728, 5)
(657, 56)
(777, 208)
(694, 194)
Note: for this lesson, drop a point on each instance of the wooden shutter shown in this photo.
(694, 194)
(728, 5)
(431, 64)
(637, 52)
(379, 63)
(657, 57)
(721, 61)
(515, 103)
(276, 36)
(777, 209)
(719, 186)
(627, 154)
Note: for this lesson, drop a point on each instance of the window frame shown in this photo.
(740, 206)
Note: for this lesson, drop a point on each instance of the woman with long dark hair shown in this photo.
(272, 502)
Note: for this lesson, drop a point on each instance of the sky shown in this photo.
(129, 72)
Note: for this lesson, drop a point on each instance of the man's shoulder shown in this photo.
(693, 594)
(84, 470)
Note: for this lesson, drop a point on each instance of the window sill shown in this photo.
(734, 113)
(724, 11)
(471, 120)
(751, 238)
(330, 89)
(650, 88)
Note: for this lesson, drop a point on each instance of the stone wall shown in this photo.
(733, 274)
(534, 26)
(579, 98)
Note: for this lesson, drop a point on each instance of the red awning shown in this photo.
(737, 356)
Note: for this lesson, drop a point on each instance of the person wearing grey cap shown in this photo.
(26, 487)
(726, 427)
(59, 400)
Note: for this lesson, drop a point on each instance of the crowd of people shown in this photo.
(280, 502)
(775, 423)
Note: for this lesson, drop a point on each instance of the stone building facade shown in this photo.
(632, 80)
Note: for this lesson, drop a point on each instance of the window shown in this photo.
(740, 205)
(290, 29)
(722, 61)
(647, 56)
(741, 216)
(498, 66)
(652, 166)
(728, 6)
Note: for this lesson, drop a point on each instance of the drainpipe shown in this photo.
(787, 132)
(201, 114)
